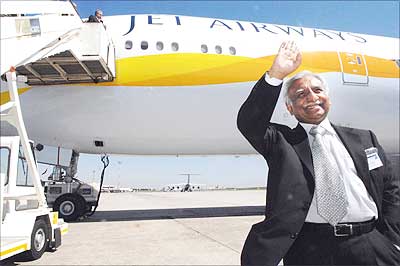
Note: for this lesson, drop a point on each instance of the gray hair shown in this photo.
(288, 83)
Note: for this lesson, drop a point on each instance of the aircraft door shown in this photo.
(354, 68)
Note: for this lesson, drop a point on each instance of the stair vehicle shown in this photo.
(28, 225)
(50, 45)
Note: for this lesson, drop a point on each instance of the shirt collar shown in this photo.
(325, 124)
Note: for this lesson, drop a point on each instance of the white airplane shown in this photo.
(171, 84)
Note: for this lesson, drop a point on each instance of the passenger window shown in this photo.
(174, 46)
(4, 163)
(232, 50)
(159, 46)
(218, 49)
(144, 45)
(128, 45)
(204, 48)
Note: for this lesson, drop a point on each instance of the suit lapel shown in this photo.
(354, 146)
(302, 147)
(352, 142)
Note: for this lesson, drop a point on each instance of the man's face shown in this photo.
(99, 14)
(309, 102)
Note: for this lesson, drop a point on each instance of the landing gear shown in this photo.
(186, 188)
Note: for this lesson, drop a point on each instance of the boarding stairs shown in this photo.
(49, 44)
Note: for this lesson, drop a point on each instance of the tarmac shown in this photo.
(160, 228)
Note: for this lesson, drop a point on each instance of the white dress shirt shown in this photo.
(361, 205)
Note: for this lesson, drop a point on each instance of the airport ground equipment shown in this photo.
(27, 224)
(50, 44)
(68, 195)
(71, 197)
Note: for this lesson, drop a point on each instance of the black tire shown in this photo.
(70, 207)
(39, 240)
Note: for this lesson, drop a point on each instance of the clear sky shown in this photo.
(367, 17)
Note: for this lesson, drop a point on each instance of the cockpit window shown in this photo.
(397, 62)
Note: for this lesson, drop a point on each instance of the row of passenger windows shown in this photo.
(144, 45)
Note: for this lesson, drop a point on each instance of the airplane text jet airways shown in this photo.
(169, 84)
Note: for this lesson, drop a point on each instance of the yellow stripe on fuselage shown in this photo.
(382, 68)
(205, 69)
(190, 69)
(5, 95)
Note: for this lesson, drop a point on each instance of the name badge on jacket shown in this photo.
(373, 158)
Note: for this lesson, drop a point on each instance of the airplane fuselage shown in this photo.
(181, 80)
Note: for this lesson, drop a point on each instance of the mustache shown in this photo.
(317, 102)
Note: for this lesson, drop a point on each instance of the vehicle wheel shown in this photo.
(39, 240)
(69, 207)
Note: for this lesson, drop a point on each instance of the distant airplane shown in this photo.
(172, 84)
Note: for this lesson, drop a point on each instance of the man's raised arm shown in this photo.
(256, 112)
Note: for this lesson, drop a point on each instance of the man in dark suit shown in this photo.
(98, 16)
(332, 198)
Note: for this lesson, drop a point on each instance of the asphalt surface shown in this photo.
(160, 228)
(163, 228)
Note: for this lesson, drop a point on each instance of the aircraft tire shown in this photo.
(69, 206)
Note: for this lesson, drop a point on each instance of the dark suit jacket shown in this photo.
(93, 18)
(291, 177)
